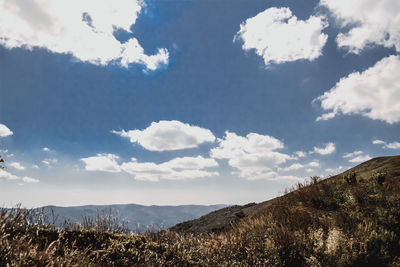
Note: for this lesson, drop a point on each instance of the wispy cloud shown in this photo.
(16, 165)
(352, 154)
(360, 158)
(392, 145)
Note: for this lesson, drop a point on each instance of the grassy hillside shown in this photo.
(352, 219)
(225, 218)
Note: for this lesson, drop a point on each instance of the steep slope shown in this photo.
(223, 219)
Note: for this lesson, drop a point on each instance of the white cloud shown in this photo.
(361, 158)
(371, 22)
(378, 142)
(314, 163)
(16, 165)
(357, 156)
(34, 166)
(4, 131)
(353, 154)
(8, 176)
(393, 145)
(254, 156)
(309, 170)
(29, 180)
(46, 149)
(300, 154)
(293, 167)
(278, 36)
(10, 155)
(49, 161)
(334, 170)
(374, 93)
(102, 162)
(191, 163)
(328, 149)
(168, 135)
(175, 169)
(83, 29)
(287, 177)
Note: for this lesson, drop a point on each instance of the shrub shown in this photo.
(350, 177)
(379, 176)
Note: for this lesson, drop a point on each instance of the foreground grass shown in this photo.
(348, 220)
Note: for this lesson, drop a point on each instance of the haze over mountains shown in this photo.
(139, 218)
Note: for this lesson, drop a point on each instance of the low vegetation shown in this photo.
(352, 219)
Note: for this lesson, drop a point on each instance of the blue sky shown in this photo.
(177, 102)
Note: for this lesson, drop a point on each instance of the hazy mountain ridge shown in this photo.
(138, 218)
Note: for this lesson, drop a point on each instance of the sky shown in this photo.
(191, 102)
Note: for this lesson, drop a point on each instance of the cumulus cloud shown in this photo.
(254, 156)
(278, 36)
(360, 158)
(175, 169)
(353, 154)
(328, 149)
(374, 93)
(393, 145)
(7, 176)
(4, 131)
(16, 165)
(370, 22)
(84, 29)
(102, 162)
(168, 135)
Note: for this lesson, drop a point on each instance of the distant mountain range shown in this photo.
(138, 218)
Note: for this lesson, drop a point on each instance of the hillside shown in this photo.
(223, 219)
(351, 219)
(137, 218)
